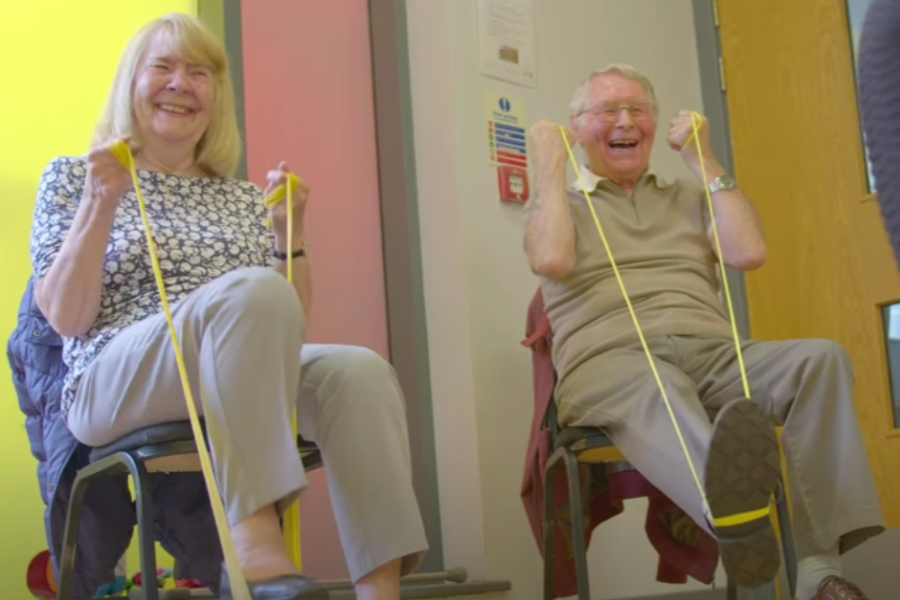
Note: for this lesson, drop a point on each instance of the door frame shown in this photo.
(401, 250)
(715, 107)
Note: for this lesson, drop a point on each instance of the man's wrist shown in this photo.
(551, 165)
(711, 169)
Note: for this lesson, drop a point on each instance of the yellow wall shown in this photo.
(57, 60)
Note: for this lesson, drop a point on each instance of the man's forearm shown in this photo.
(550, 232)
(740, 232)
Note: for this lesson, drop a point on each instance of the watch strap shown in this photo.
(302, 251)
(722, 182)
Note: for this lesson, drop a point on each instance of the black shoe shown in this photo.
(743, 471)
(289, 587)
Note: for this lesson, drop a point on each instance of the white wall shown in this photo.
(478, 285)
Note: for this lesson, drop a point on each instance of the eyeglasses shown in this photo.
(609, 111)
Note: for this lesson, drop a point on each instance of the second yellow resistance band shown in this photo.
(281, 194)
(696, 122)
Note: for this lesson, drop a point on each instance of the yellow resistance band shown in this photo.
(239, 587)
(279, 195)
(696, 121)
(292, 516)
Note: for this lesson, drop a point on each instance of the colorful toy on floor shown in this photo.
(121, 586)
(161, 576)
(193, 584)
(40, 578)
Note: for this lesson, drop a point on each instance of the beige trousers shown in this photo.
(807, 386)
(241, 339)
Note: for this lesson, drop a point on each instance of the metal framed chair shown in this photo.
(586, 445)
(167, 448)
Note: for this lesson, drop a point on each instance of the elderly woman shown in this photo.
(240, 323)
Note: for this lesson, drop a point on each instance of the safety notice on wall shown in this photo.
(507, 138)
(506, 40)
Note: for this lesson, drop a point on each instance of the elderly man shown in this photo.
(661, 237)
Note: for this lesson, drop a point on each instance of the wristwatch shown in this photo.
(722, 182)
(302, 251)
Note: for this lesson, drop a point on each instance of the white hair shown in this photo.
(582, 95)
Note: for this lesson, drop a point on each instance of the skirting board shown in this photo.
(764, 593)
(695, 595)
(469, 589)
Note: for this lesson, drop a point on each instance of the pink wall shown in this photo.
(308, 94)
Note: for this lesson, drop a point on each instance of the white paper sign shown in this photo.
(506, 40)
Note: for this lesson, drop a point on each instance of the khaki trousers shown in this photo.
(806, 385)
(241, 339)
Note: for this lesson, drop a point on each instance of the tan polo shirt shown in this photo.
(658, 239)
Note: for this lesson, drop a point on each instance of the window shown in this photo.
(891, 316)
(856, 12)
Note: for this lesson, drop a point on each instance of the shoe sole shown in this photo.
(743, 471)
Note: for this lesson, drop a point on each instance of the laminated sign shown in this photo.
(507, 138)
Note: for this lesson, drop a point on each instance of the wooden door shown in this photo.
(798, 152)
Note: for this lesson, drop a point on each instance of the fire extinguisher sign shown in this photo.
(507, 138)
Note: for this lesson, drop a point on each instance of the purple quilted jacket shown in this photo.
(184, 521)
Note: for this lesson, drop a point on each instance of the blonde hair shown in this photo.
(582, 94)
(219, 150)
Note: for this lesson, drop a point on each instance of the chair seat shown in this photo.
(571, 435)
(180, 431)
(163, 433)
(305, 446)
(591, 445)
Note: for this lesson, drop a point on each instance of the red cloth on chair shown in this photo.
(689, 552)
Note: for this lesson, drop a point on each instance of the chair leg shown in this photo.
(731, 590)
(575, 507)
(146, 538)
(105, 468)
(787, 538)
(70, 537)
(549, 585)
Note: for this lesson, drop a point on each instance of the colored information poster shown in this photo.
(506, 41)
(507, 138)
